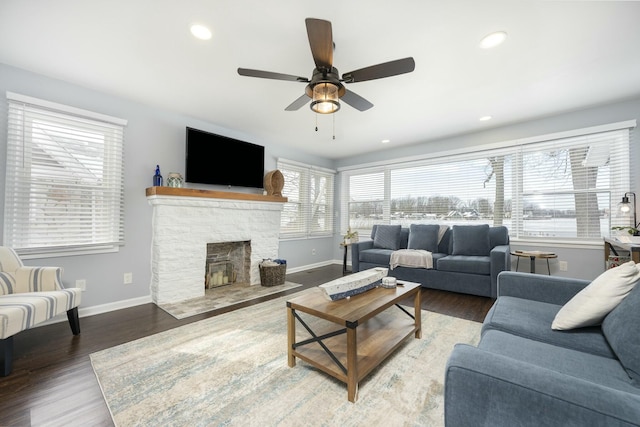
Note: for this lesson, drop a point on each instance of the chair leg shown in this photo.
(6, 355)
(74, 320)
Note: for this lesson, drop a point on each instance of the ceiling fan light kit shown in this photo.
(325, 89)
(325, 98)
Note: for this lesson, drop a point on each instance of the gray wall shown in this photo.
(152, 137)
(157, 137)
(586, 263)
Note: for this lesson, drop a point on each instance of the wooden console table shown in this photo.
(613, 245)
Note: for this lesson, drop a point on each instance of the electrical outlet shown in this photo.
(313, 251)
(564, 265)
(128, 278)
(82, 284)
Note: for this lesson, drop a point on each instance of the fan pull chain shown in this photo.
(334, 126)
(316, 122)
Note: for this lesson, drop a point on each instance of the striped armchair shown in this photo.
(28, 297)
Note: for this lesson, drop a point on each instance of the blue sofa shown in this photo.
(466, 258)
(525, 373)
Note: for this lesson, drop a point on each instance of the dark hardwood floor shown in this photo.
(53, 384)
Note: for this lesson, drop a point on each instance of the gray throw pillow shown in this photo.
(423, 236)
(387, 237)
(471, 240)
(620, 328)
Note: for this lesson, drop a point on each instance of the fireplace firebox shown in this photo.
(227, 263)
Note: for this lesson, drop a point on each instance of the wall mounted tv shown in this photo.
(219, 160)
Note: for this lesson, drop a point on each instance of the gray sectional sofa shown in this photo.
(525, 373)
(466, 258)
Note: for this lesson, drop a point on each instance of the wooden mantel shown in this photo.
(192, 192)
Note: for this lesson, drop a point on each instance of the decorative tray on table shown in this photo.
(353, 284)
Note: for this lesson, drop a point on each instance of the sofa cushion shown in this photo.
(589, 306)
(532, 320)
(471, 240)
(387, 237)
(423, 236)
(621, 327)
(376, 256)
(597, 369)
(465, 264)
(498, 236)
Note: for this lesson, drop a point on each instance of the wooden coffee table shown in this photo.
(369, 340)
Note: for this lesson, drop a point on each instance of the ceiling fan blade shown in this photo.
(386, 69)
(298, 103)
(269, 75)
(321, 42)
(356, 101)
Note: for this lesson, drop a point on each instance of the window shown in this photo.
(553, 189)
(309, 210)
(64, 182)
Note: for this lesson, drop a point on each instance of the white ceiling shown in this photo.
(559, 56)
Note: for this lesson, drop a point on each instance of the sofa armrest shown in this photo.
(355, 253)
(500, 261)
(539, 287)
(488, 389)
(37, 279)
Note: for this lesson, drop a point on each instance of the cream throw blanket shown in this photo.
(417, 258)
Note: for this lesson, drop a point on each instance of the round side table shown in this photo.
(344, 260)
(532, 255)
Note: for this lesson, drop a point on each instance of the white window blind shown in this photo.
(570, 187)
(309, 210)
(559, 189)
(64, 181)
(366, 201)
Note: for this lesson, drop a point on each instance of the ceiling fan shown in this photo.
(326, 89)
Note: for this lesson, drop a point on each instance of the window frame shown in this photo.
(304, 200)
(28, 119)
(621, 184)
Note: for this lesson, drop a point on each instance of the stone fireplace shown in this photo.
(186, 221)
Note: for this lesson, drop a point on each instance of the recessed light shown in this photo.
(493, 39)
(200, 32)
(386, 141)
(485, 118)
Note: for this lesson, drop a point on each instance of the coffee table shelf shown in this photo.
(370, 337)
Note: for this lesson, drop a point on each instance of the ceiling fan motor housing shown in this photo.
(322, 76)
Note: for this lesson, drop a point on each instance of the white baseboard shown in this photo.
(99, 309)
(113, 306)
(119, 305)
(310, 266)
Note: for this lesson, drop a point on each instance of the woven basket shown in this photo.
(272, 275)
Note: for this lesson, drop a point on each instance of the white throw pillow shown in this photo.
(590, 306)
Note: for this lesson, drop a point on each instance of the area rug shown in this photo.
(232, 370)
(222, 296)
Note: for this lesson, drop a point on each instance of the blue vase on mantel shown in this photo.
(157, 178)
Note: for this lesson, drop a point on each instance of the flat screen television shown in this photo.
(220, 160)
